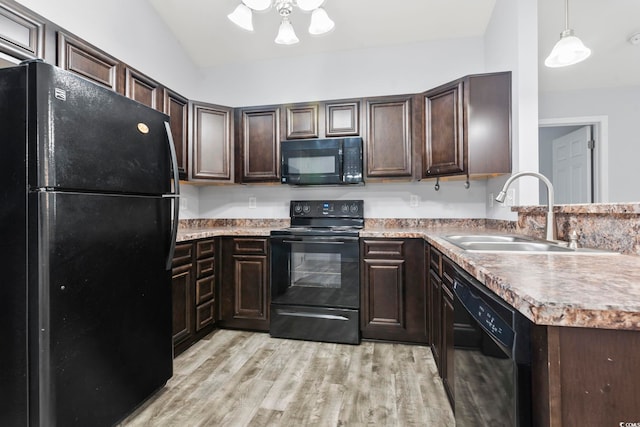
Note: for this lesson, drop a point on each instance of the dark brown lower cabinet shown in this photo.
(446, 343)
(393, 290)
(193, 289)
(585, 376)
(244, 290)
(442, 315)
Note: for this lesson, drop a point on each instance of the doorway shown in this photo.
(573, 155)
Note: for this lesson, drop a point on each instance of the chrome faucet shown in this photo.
(551, 231)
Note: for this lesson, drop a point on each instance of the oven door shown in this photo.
(321, 271)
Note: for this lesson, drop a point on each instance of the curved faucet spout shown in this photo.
(551, 231)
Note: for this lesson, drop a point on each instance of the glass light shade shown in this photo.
(241, 16)
(286, 34)
(320, 22)
(308, 5)
(257, 4)
(568, 51)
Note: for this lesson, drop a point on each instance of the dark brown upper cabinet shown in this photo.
(21, 34)
(177, 108)
(257, 148)
(468, 127)
(342, 118)
(389, 137)
(87, 61)
(301, 121)
(143, 89)
(211, 142)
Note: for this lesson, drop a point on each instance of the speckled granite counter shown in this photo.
(185, 234)
(579, 290)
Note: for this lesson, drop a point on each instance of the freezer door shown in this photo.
(103, 307)
(86, 137)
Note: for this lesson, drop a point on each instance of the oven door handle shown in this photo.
(323, 241)
(312, 315)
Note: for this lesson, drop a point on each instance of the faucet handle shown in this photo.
(573, 240)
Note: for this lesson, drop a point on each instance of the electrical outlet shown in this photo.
(491, 200)
(252, 202)
(414, 201)
(511, 197)
(183, 203)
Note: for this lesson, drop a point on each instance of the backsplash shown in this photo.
(614, 227)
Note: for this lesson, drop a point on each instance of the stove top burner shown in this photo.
(324, 217)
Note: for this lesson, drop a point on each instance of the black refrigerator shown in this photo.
(88, 217)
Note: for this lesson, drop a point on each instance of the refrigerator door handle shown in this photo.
(175, 195)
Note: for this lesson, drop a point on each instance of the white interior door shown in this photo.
(572, 174)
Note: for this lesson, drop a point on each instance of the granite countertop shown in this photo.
(185, 234)
(578, 290)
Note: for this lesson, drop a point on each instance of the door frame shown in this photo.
(600, 153)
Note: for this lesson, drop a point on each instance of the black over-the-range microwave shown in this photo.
(322, 161)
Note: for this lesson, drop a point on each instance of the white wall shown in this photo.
(131, 31)
(511, 43)
(622, 107)
(387, 200)
(395, 70)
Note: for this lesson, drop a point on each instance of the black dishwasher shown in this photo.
(492, 373)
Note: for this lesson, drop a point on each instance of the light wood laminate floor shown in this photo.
(237, 378)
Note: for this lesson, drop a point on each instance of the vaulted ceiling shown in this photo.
(212, 40)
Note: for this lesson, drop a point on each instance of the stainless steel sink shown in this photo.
(486, 238)
(518, 244)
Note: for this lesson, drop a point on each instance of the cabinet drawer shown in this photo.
(250, 246)
(205, 289)
(384, 249)
(182, 254)
(205, 267)
(205, 248)
(205, 314)
(435, 260)
(448, 272)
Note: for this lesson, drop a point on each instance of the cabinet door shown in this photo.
(258, 146)
(446, 357)
(302, 121)
(250, 293)
(342, 118)
(388, 145)
(21, 35)
(142, 89)
(182, 303)
(444, 131)
(435, 319)
(383, 298)
(244, 299)
(393, 294)
(85, 60)
(177, 108)
(211, 148)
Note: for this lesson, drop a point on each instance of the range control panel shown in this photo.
(327, 209)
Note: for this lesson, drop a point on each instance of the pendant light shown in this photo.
(569, 49)
(320, 21)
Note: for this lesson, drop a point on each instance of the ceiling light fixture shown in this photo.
(242, 16)
(569, 49)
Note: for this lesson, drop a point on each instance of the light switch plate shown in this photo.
(414, 201)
